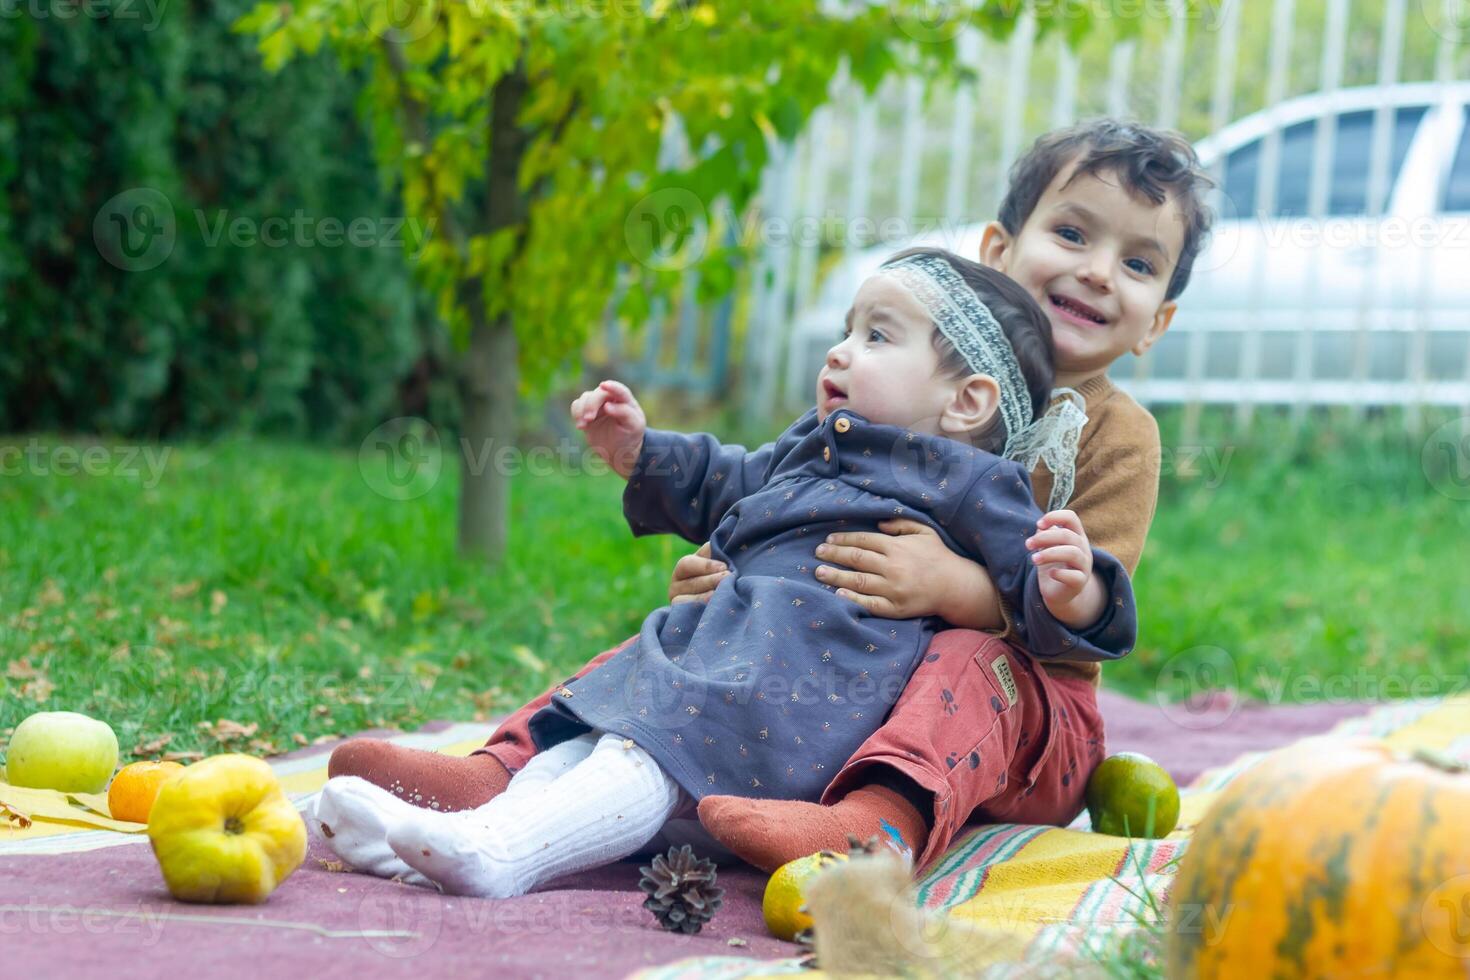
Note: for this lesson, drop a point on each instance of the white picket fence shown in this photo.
(909, 158)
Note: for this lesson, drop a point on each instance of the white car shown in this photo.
(1342, 308)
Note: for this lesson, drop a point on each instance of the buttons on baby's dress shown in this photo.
(841, 425)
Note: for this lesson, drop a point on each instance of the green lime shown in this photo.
(1130, 795)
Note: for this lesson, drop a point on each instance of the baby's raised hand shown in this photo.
(1063, 558)
(614, 424)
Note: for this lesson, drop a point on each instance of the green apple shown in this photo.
(62, 750)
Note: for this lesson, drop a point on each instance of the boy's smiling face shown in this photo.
(884, 366)
(1098, 260)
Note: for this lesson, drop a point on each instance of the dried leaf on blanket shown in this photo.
(225, 730)
(89, 809)
(14, 815)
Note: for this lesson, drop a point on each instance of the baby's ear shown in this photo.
(975, 400)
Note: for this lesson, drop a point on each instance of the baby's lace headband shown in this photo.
(968, 324)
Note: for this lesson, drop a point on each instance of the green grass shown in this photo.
(1324, 565)
(268, 585)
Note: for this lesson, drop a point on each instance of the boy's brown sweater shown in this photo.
(1116, 488)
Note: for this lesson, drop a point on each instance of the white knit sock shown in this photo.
(551, 764)
(353, 817)
(602, 809)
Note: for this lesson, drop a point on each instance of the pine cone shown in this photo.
(681, 890)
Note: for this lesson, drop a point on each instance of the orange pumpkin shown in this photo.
(1331, 858)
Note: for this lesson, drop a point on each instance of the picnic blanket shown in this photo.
(1060, 892)
(1052, 889)
(62, 823)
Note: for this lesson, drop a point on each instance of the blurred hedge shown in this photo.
(308, 340)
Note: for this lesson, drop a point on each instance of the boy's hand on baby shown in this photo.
(614, 423)
(898, 574)
(695, 576)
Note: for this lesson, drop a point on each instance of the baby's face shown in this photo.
(884, 366)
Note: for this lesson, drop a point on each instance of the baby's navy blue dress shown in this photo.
(766, 690)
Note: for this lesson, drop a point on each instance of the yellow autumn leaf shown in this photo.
(21, 669)
(225, 730)
(424, 605)
(374, 606)
(528, 659)
(13, 814)
(150, 747)
(38, 689)
(90, 809)
(184, 591)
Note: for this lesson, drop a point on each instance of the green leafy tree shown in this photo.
(528, 136)
(159, 116)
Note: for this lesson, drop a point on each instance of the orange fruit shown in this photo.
(783, 905)
(135, 787)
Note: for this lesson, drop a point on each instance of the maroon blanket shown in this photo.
(98, 912)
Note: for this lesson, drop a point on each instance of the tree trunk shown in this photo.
(490, 375)
(487, 394)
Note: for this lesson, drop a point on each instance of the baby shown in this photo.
(771, 686)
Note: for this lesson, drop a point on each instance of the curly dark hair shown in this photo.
(1152, 164)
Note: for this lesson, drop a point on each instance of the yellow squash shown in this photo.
(223, 831)
(1331, 858)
